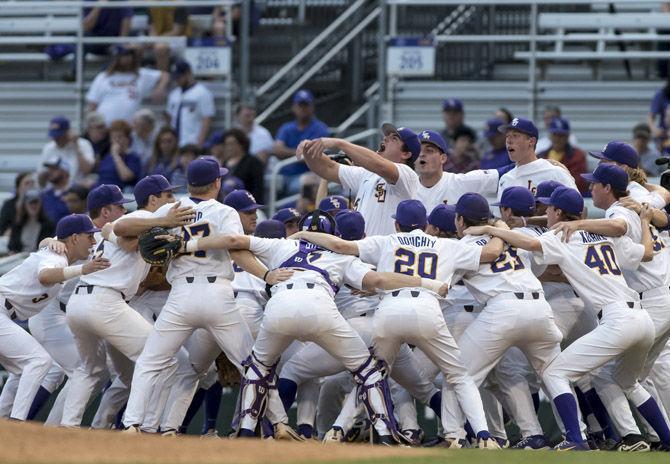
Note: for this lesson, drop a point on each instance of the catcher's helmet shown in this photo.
(318, 221)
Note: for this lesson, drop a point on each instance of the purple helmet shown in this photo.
(318, 221)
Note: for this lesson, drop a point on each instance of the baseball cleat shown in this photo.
(567, 445)
(132, 430)
(453, 443)
(210, 433)
(632, 443)
(334, 435)
(169, 433)
(488, 444)
(285, 432)
(533, 442)
(360, 431)
(502, 442)
(413, 436)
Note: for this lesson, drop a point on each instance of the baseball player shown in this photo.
(439, 187)
(593, 265)
(414, 316)
(303, 307)
(290, 217)
(245, 204)
(521, 140)
(379, 180)
(333, 204)
(26, 290)
(97, 311)
(201, 295)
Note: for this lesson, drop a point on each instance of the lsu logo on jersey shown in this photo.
(380, 192)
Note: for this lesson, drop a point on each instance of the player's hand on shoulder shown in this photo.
(646, 212)
(278, 275)
(500, 224)
(567, 228)
(178, 215)
(628, 202)
(55, 245)
(107, 230)
(443, 290)
(96, 264)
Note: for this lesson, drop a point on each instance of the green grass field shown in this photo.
(527, 457)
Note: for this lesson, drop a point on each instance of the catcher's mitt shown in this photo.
(228, 374)
(158, 251)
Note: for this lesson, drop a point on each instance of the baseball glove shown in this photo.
(228, 374)
(158, 251)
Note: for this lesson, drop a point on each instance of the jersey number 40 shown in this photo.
(602, 257)
(415, 264)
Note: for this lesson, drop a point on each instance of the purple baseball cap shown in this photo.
(204, 170)
(492, 126)
(181, 67)
(151, 185)
(303, 96)
(270, 228)
(546, 188)
(408, 137)
(286, 215)
(473, 206)
(520, 199)
(58, 126)
(350, 225)
(452, 104)
(103, 195)
(619, 152)
(609, 174)
(333, 203)
(241, 200)
(559, 126)
(525, 126)
(410, 213)
(434, 138)
(75, 224)
(443, 217)
(566, 199)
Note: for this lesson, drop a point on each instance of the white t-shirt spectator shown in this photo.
(119, 95)
(261, 140)
(187, 109)
(51, 151)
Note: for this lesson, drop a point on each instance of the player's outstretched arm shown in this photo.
(218, 242)
(391, 281)
(615, 227)
(329, 242)
(663, 192)
(515, 239)
(55, 275)
(321, 165)
(176, 216)
(492, 250)
(646, 213)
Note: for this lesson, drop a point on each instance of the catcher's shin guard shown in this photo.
(374, 393)
(258, 380)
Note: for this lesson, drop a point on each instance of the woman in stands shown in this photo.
(119, 165)
(165, 157)
(31, 224)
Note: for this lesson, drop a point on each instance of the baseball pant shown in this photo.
(191, 305)
(660, 374)
(656, 302)
(415, 317)
(334, 389)
(252, 313)
(22, 355)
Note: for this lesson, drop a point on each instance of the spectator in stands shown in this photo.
(117, 92)
(23, 182)
(187, 153)
(58, 175)
(260, 138)
(96, 133)
(453, 113)
(497, 155)
(504, 115)
(220, 22)
(647, 151)
(190, 107)
(656, 116)
(167, 22)
(144, 134)
(241, 164)
(75, 199)
(550, 113)
(463, 155)
(66, 144)
(563, 151)
(106, 22)
(305, 126)
(119, 166)
(32, 225)
(165, 156)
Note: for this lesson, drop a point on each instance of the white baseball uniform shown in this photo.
(414, 315)
(250, 297)
(201, 297)
(24, 296)
(452, 186)
(531, 174)
(377, 199)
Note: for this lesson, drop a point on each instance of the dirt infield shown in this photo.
(30, 443)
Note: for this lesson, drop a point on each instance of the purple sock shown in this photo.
(566, 405)
(435, 404)
(287, 390)
(41, 397)
(601, 414)
(193, 409)
(536, 401)
(652, 413)
(305, 430)
(212, 406)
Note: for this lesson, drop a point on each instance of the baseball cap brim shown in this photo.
(590, 177)
(599, 155)
(544, 200)
(508, 127)
(252, 207)
(498, 203)
(388, 128)
(91, 230)
(430, 142)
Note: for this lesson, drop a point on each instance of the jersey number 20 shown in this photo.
(409, 263)
(195, 231)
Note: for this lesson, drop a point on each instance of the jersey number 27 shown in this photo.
(196, 231)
